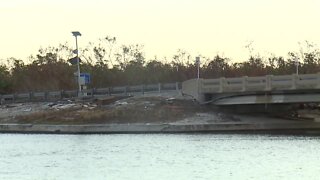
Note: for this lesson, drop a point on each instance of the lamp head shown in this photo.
(76, 33)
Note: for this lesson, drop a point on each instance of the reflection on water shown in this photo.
(183, 156)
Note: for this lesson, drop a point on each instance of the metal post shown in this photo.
(46, 94)
(142, 88)
(109, 91)
(61, 94)
(76, 34)
(30, 96)
(92, 92)
(78, 64)
(159, 87)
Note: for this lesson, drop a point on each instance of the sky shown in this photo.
(206, 27)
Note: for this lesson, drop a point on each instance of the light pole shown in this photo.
(297, 65)
(198, 64)
(76, 34)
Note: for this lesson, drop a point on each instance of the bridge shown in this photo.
(269, 89)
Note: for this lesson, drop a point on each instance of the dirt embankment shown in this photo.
(124, 110)
(108, 110)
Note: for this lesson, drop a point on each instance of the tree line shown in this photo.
(110, 64)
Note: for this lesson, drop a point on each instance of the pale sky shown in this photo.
(204, 27)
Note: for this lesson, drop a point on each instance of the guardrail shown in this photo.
(260, 83)
(57, 95)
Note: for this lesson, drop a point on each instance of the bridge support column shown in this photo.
(318, 80)
(268, 82)
(244, 83)
(294, 81)
(177, 86)
(201, 95)
(193, 88)
(222, 84)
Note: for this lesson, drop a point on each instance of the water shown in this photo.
(183, 156)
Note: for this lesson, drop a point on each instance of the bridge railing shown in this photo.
(260, 83)
(309, 80)
(121, 90)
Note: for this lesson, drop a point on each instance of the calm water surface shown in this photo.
(197, 156)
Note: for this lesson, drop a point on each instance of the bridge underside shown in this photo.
(262, 99)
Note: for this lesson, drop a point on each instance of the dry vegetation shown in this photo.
(131, 110)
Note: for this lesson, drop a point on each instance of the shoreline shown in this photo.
(257, 128)
(162, 114)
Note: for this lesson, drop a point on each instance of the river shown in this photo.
(159, 156)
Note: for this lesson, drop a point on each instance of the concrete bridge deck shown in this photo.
(255, 90)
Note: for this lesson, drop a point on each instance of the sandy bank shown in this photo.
(143, 114)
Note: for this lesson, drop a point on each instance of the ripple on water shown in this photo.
(158, 156)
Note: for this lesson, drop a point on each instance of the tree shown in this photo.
(4, 79)
(217, 67)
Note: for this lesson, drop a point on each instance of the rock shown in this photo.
(52, 104)
(27, 110)
(108, 100)
(121, 103)
(170, 100)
